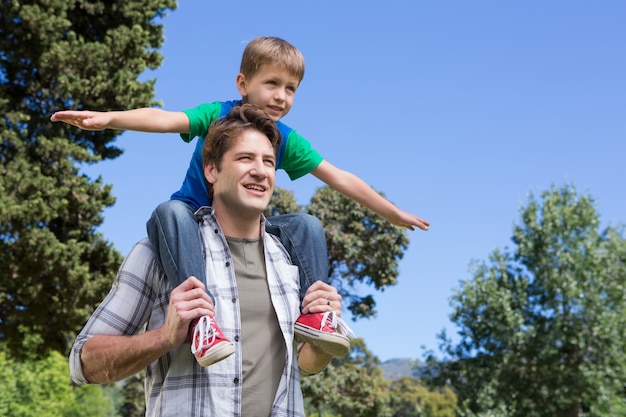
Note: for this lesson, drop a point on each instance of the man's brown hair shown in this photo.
(223, 131)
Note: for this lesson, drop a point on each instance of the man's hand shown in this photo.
(188, 301)
(321, 297)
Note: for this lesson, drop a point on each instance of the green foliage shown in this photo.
(55, 54)
(364, 248)
(282, 202)
(350, 386)
(134, 403)
(354, 386)
(411, 398)
(541, 328)
(42, 389)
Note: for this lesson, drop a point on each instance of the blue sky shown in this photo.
(456, 110)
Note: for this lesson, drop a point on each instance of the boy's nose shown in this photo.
(279, 94)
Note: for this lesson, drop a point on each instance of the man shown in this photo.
(256, 291)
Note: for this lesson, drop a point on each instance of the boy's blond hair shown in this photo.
(267, 49)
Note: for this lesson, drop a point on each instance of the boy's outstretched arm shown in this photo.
(141, 120)
(354, 187)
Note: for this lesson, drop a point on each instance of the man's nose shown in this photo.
(258, 169)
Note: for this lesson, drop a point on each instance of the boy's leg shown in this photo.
(303, 237)
(174, 233)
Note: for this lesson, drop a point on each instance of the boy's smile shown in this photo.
(272, 88)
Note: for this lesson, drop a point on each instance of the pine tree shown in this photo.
(57, 54)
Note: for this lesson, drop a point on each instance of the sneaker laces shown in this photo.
(337, 323)
(206, 333)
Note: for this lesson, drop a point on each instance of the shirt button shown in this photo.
(227, 264)
(236, 380)
(234, 300)
(216, 231)
(237, 338)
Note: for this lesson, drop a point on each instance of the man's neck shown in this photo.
(238, 226)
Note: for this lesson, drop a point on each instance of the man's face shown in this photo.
(272, 89)
(245, 182)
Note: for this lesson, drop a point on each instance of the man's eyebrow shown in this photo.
(250, 153)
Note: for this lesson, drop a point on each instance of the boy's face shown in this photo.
(244, 184)
(272, 89)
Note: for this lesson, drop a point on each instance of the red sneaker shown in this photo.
(208, 343)
(324, 330)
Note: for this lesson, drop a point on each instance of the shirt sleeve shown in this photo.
(200, 119)
(299, 158)
(126, 308)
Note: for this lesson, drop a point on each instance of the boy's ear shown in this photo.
(241, 84)
(210, 173)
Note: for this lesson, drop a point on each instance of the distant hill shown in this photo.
(396, 368)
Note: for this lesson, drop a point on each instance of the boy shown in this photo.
(271, 71)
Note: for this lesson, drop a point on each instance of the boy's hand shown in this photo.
(84, 119)
(409, 221)
(188, 301)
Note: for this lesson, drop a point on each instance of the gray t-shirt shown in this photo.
(263, 347)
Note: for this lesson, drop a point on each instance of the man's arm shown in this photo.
(320, 297)
(107, 359)
(354, 187)
(142, 120)
(110, 358)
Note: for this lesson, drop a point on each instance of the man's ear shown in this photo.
(210, 173)
(241, 85)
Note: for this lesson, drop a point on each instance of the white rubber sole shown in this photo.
(216, 354)
(335, 344)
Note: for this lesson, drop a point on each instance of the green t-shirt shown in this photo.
(296, 156)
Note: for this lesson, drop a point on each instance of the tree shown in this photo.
(364, 248)
(134, 403)
(541, 328)
(42, 388)
(350, 386)
(411, 398)
(282, 202)
(55, 54)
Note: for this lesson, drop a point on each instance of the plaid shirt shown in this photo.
(175, 384)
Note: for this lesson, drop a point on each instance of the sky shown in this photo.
(456, 110)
